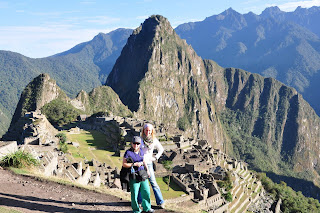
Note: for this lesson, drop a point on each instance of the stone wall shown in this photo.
(7, 147)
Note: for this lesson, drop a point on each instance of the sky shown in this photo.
(41, 28)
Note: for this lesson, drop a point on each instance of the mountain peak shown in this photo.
(40, 91)
(271, 12)
(229, 11)
(153, 23)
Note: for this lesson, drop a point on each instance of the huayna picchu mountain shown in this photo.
(257, 119)
(161, 78)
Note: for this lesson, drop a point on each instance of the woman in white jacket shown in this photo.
(150, 142)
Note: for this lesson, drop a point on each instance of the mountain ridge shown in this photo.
(282, 48)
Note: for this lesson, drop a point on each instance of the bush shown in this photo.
(62, 142)
(19, 159)
(59, 112)
(183, 123)
(62, 137)
(227, 196)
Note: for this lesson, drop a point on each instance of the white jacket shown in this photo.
(148, 152)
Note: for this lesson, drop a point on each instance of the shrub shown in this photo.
(19, 159)
(183, 123)
(59, 112)
(227, 196)
(62, 142)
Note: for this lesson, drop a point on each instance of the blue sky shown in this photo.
(40, 28)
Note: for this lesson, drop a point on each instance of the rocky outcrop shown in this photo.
(40, 91)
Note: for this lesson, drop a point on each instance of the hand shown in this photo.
(138, 164)
(148, 173)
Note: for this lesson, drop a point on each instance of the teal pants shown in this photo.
(144, 189)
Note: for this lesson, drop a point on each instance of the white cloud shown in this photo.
(102, 20)
(290, 6)
(142, 17)
(38, 42)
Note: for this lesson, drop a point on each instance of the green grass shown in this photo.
(174, 190)
(7, 210)
(18, 159)
(21, 171)
(93, 145)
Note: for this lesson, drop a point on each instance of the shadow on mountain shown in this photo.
(307, 188)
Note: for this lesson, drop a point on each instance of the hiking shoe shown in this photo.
(150, 211)
(161, 206)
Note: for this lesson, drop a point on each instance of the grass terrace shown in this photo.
(92, 145)
(7, 210)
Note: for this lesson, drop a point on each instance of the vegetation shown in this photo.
(19, 159)
(168, 166)
(227, 185)
(7, 210)
(93, 145)
(104, 99)
(174, 192)
(62, 142)
(60, 112)
(292, 201)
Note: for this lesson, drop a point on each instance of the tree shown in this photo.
(168, 166)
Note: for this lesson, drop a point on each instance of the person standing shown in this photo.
(134, 158)
(150, 142)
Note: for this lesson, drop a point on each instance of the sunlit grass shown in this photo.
(174, 190)
(7, 210)
(92, 145)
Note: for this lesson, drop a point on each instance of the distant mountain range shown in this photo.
(282, 45)
(83, 67)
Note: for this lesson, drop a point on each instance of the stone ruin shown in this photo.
(196, 165)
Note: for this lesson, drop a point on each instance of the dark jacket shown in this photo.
(125, 177)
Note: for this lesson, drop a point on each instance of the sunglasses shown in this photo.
(136, 143)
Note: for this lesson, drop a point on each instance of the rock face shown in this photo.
(161, 78)
(40, 91)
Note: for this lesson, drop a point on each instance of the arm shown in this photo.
(146, 167)
(125, 164)
(159, 147)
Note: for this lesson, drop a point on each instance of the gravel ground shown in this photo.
(27, 194)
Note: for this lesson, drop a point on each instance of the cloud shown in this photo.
(142, 17)
(290, 6)
(101, 20)
(37, 42)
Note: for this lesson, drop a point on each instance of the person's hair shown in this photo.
(153, 133)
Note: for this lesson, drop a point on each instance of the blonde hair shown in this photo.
(153, 133)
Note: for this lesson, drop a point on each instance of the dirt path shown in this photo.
(26, 194)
